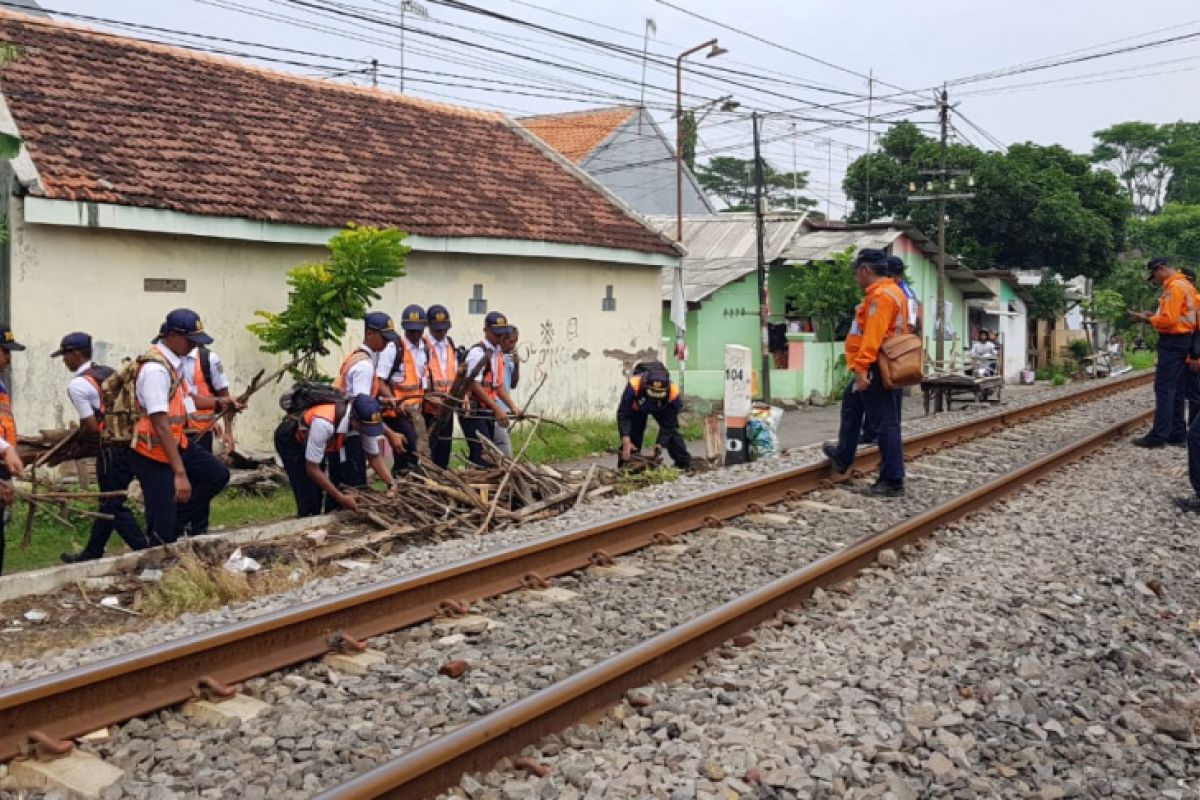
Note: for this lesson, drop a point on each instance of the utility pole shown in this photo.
(945, 191)
(870, 115)
(829, 182)
(760, 237)
(422, 12)
(651, 27)
(375, 72)
(714, 50)
(795, 183)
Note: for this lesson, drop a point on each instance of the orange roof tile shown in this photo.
(110, 119)
(576, 134)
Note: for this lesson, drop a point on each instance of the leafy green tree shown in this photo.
(1132, 151)
(1034, 206)
(324, 297)
(1174, 233)
(1182, 154)
(1128, 279)
(826, 292)
(732, 180)
(1048, 300)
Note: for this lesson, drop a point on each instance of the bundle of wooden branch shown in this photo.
(477, 500)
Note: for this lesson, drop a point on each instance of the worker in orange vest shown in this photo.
(176, 479)
(485, 368)
(365, 371)
(882, 313)
(1175, 322)
(443, 367)
(11, 465)
(408, 381)
(650, 392)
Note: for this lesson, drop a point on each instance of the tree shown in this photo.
(1034, 206)
(1048, 300)
(1128, 279)
(325, 297)
(732, 180)
(1175, 233)
(1182, 154)
(826, 291)
(1132, 150)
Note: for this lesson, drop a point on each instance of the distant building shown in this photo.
(624, 150)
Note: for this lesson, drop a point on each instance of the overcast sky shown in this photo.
(908, 46)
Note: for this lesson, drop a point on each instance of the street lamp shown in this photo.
(713, 52)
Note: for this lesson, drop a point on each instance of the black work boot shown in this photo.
(884, 489)
(830, 451)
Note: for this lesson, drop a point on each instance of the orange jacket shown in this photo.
(327, 412)
(441, 376)
(349, 361)
(201, 420)
(145, 437)
(1177, 307)
(8, 425)
(881, 314)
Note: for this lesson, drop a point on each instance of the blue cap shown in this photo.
(438, 318)
(895, 265)
(187, 322)
(497, 323)
(869, 255)
(413, 318)
(369, 415)
(7, 340)
(73, 341)
(379, 321)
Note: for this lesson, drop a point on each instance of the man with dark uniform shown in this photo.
(309, 446)
(408, 381)
(1175, 322)
(651, 393)
(443, 367)
(484, 363)
(11, 465)
(365, 371)
(112, 461)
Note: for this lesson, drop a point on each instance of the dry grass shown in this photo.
(193, 585)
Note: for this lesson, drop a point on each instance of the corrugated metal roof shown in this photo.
(722, 248)
(824, 244)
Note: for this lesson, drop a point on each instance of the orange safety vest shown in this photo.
(327, 412)
(201, 420)
(8, 425)
(635, 383)
(410, 392)
(145, 438)
(1176, 307)
(879, 290)
(90, 377)
(492, 378)
(347, 363)
(441, 376)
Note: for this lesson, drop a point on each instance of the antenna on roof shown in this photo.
(407, 6)
(651, 28)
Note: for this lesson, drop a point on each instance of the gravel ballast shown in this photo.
(1044, 648)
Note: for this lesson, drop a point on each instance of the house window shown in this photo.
(608, 302)
(476, 304)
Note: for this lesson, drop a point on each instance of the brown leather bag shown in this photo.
(901, 362)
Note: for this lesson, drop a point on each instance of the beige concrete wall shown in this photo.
(66, 279)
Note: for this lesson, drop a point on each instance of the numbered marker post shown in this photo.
(738, 376)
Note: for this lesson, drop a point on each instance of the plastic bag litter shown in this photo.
(239, 563)
(762, 431)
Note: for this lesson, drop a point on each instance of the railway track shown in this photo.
(46, 713)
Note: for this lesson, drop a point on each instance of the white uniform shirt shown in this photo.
(321, 433)
(154, 382)
(219, 381)
(420, 357)
(385, 360)
(361, 375)
(83, 394)
(478, 353)
(983, 349)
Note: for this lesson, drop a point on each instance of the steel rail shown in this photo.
(57, 708)
(434, 767)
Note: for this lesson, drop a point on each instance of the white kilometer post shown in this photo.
(738, 376)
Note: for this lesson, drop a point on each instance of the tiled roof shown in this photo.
(578, 133)
(111, 119)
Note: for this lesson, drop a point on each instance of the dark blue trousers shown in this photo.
(113, 475)
(476, 424)
(164, 519)
(440, 446)
(351, 472)
(1191, 390)
(406, 460)
(1193, 450)
(870, 428)
(311, 500)
(877, 403)
(1170, 388)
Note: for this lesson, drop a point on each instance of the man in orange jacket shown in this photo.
(1175, 322)
(881, 314)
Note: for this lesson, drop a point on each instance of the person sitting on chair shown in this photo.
(983, 351)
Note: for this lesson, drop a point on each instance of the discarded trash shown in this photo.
(352, 565)
(35, 615)
(150, 575)
(317, 537)
(110, 602)
(240, 563)
(295, 575)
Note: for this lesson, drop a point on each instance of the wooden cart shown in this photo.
(943, 390)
